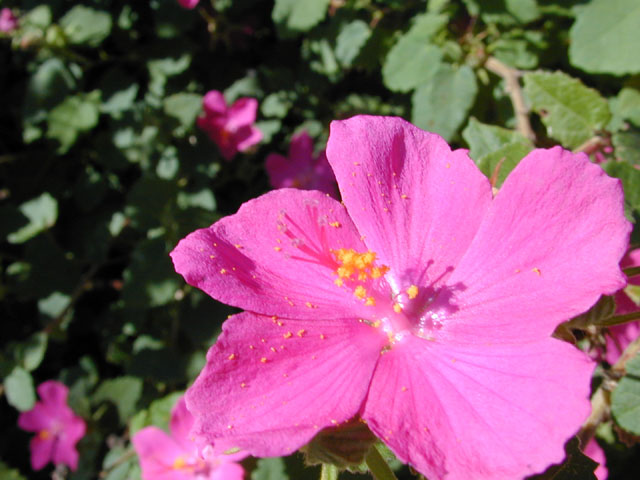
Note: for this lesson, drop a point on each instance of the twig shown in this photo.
(592, 145)
(600, 401)
(512, 85)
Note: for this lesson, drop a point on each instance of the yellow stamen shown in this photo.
(360, 292)
(179, 463)
(44, 434)
(370, 302)
(397, 307)
(412, 291)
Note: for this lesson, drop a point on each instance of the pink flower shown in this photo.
(8, 21)
(422, 305)
(231, 128)
(188, 3)
(58, 428)
(595, 452)
(620, 336)
(179, 456)
(301, 169)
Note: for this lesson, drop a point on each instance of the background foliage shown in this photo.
(102, 169)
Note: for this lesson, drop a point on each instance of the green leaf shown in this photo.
(276, 104)
(483, 139)
(123, 392)
(625, 399)
(158, 414)
(442, 104)
(298, 15)
(350, 40)
(31, 352)
(413, 61)
(503, 160)
(42, 213)
(18, 388)
(84, 25)
(270, 469)
(625, 106)
(184, 107)
(54, 304)
(603, 37)
(505, 12)
(73, 116)
(8, 473)
(630, 177)
(627, 145)
(571, 112)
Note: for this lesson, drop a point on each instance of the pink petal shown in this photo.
(242, 113)
(282, 173)
(41, 451)
(53, 393)
(548, 247)
(180, 425)
(188, 3)
(65, 451)
(301, 149)
(475, 411)
(228, 471)
(417, 203)
(157, 452)
(268, 388)
(596, 453)
(214, 103)
(246, 137)
(36, 419)
(274, 257)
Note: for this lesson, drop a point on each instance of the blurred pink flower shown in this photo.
(300, 169)
(58, 428)
(188, 3)
(179, 456)
(8, 21)
(595, 452)
(231, 128)
(422, 304)
(620, 336)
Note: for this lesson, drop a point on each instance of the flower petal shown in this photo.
(53, 393)
(42, 451)
(228, 471)
(548, 247)
(246, 137)
(475, 411)
(36, 419)
(180, 425)
(157, 452)
(595, 452)
(273, 256)
(214, 103)
(417, 203)
(242, 113)
(269, 387)
(65, 450)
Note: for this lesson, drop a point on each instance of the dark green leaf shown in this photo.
(270, 469)
(350, 40)
(603, 35)
(42, 213)
(184, 107)
(8, 473)
(442, 104)
(571, 112)
(630, 177)
(625, 399)
(73, 116)
(123, 392)
(298, 15)
(31, 352)
(627, 145)
(84, 25)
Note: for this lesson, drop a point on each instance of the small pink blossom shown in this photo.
(58, 428)
(421, 304)
(300, 169)
(620, 336)
(179, 456)
(188, 3)
(231, 128)
(8, 21)
(595, 452)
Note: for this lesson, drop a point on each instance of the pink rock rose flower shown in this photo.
(58, 428)
(231, 128)
(422, 304)
(300, 169)
(188, 3)
(179, 456)
(8, 21)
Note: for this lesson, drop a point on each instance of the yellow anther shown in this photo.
(223, 271)
(536, 271)
(44, 434)
(301, 332)
(360, 292)
(179, 463)
(335, 224)
(412, 291)
(397, 307)
(232, 356)
(308, 304)
(243, 385)
(288, 335)
(339, 282)
(238, 246)
(277, 249)
(370, 302)
(263, 359)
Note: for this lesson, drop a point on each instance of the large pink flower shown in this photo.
(58, 428)
(300, 169)
(231, 128)
(422, 305)
(179, 456)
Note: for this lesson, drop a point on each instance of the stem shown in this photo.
(512, 85)
(600, 402)
(328, 472)
(377, 465)
(631, 271)
(591, 146)
(619, 319)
